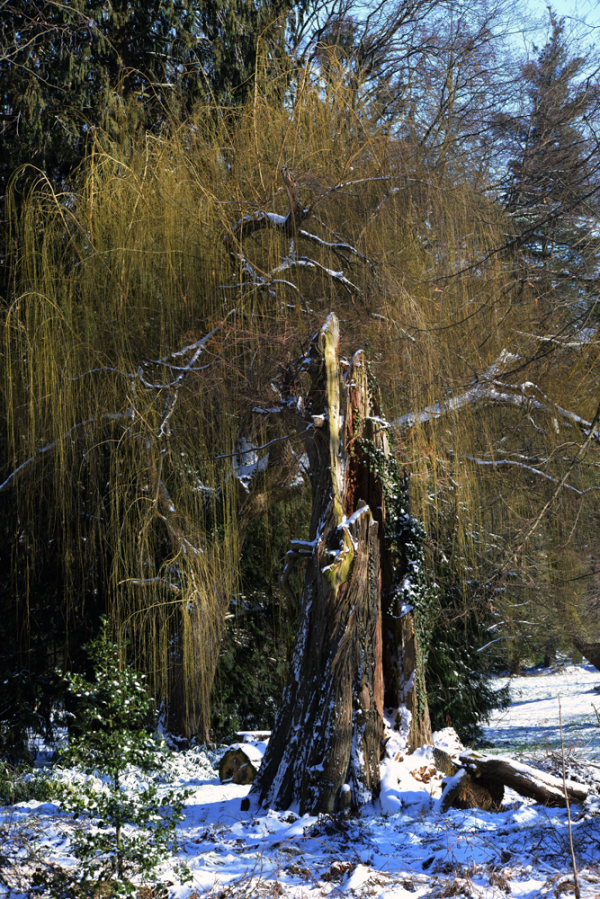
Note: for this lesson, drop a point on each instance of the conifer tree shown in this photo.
(68, 71)
(552, 192)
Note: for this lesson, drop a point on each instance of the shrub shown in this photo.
(21, 784)
(115, 738)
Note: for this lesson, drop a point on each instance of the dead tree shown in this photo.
(589, 650)
(325, 749)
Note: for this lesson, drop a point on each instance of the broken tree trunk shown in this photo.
(328, 732)
(590, 651)
(525, 780)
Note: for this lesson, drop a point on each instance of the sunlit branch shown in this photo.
(506, 463)
(43, 450)
(488, 388)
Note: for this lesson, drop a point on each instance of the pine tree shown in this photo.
(72, 69)
(236, 34)
(553, 188)
(69, 71)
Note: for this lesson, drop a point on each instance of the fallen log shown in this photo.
(525, 780)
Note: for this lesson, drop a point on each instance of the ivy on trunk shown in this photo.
(326, 745)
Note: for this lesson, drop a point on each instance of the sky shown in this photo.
(584, 10)
(575, 12)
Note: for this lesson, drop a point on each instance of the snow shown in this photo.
(254, 751)
(400, 847)
(532, 718)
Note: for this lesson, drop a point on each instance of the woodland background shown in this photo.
(453, 184)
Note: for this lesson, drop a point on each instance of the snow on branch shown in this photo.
(289, 226)
(506, 463)
(193, 350)
(337, 247)
(490, 388)
(306, 262)
(247, 463)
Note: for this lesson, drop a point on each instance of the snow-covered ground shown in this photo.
(531, 722)
(400, 849)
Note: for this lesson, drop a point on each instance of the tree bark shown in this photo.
(590, 651)
(403, 668)
(328, 732)
(525, 780)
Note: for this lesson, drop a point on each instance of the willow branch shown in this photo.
(505, 463)
(576, 458)
(151, 582)
(44, 450)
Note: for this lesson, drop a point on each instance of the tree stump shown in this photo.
(326, 743)
(239, 765)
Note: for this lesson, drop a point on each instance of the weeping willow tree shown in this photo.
(151, 317)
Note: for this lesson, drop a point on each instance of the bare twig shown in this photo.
(564, 775)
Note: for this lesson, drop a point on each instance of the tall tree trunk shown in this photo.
(326, 745)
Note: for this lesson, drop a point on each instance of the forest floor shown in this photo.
(403, 848)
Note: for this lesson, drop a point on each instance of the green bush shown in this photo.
(115, 737)
(21, 784)
(252, 670)
(460, 689)
(29, 703)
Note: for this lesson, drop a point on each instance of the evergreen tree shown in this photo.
(79, 67)
(70, 70)
(459, 687)
(237, 33)
(114, 722)
(553, 188)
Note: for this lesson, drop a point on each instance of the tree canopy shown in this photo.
(157, 307)
(552, 186)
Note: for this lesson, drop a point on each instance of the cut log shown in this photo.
(240, 764)
(525, 780)
(466, 790)
(444, 762)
